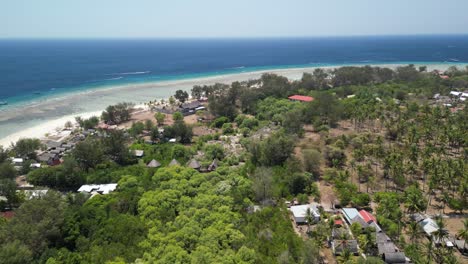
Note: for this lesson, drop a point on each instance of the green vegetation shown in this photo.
(371, 139)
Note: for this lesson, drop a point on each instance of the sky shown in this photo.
(229, 18)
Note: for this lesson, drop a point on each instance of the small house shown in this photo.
(50, 159)
(138, 153)
(300, 213)
(34, 194)
(194, 164)
(190, 108)
(339, 246)
(429, 226)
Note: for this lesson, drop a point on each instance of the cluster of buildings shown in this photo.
(452, 99)
(430, 226)
(342, 238)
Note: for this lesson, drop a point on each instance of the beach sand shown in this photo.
(38, 118)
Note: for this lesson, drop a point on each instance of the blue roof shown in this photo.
(350, 213)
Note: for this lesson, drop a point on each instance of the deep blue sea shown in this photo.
(41, 68)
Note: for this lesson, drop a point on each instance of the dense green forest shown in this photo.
(372, 138)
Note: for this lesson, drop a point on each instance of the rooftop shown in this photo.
(301, 98)
(99, 188)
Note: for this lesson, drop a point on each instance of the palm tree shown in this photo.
(441, 233)
(414, 231)
(463, 233)
(309, 219)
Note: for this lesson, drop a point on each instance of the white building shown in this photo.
(300, 213)
(98, 188)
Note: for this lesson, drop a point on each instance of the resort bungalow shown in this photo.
(300, 98)
(300, 213)
(98, 188)
(194, 164)
(339, 246)
(174, 162)
(153, 164)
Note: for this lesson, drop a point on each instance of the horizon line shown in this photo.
(236, 37)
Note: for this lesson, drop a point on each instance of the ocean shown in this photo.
(39, 68)
(43, 80)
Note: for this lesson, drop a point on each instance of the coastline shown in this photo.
(34, 119)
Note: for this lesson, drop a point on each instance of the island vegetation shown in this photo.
(390, 142)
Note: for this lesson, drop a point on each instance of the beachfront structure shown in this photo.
(300, 98)
(300, 213)
(98, 188)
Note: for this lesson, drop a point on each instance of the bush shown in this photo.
(219, 122)
(227, 128)
(303, 198)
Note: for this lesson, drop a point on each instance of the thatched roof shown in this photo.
(194, 164)
(174, 162)
(394, 258)
(386, 247)
(153, 164)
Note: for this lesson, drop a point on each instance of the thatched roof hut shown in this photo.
(153, 164)
(194, 164)
(174, 162)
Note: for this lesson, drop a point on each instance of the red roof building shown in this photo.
(301, 98)
(338, 222)
(368, 217)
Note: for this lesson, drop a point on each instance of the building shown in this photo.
(49, 159)
(34, 194)
(300, 98)
(300, 213)
(395, 258)
(429, 226)
(153, 164)
(368, 217)
(174, 162)
(194, 164)
(349, 214)
(339, 246)
(138, 153)
(98, 188)
(191, 107)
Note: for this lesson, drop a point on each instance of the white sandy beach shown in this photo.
(40, 118)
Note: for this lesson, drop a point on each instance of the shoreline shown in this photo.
(34, 119)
